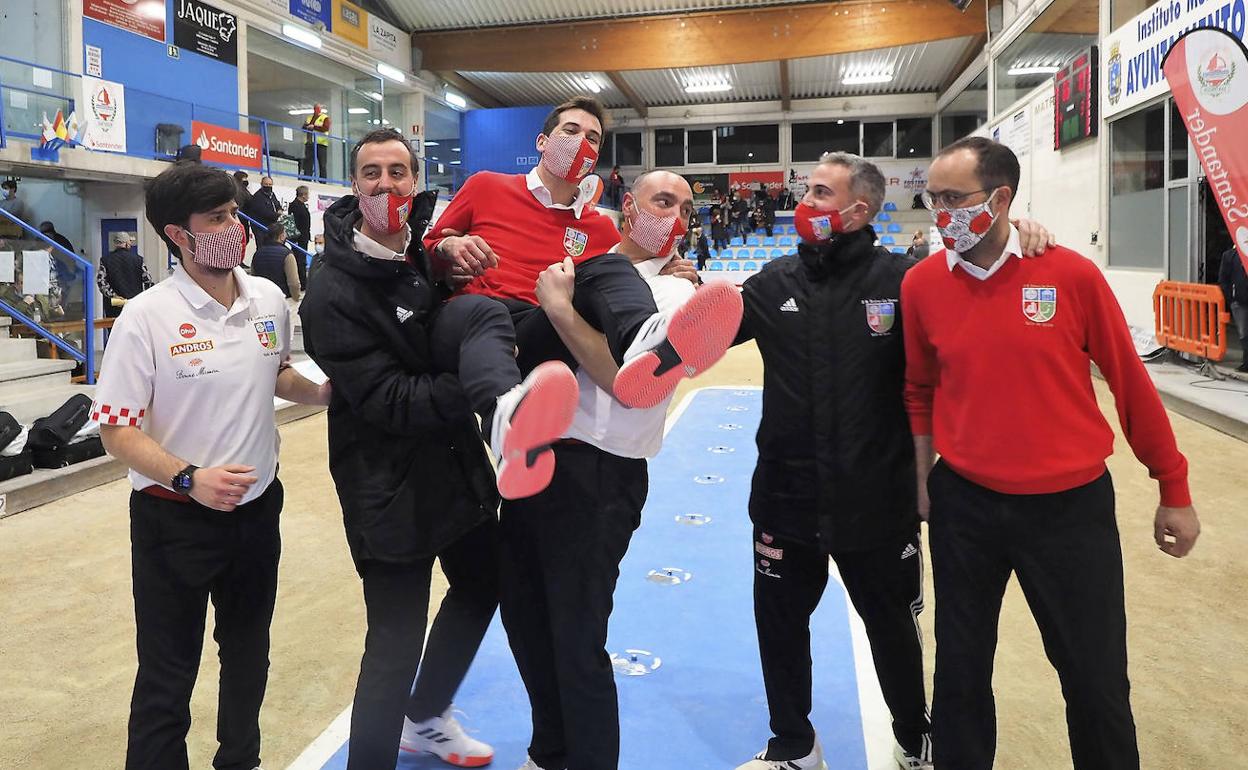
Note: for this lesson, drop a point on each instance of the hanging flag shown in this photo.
(1207, 69)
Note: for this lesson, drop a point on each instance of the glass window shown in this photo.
(669, 147)
(748, 145)
(914, 138)
(701, 146)
(1066, 29)
(628, 149)
(1178, 144)
(955, 127)
(1137, 176)
(811, 140)
(877, 140)
(606, 156)
(443, 171)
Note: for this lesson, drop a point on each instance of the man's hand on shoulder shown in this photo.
(1033, 237)
(682, 268)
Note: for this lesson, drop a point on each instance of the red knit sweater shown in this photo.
(997, 372)
(526, 236)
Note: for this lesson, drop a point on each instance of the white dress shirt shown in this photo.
(602, 421)
(584, 192)
(1013, 248)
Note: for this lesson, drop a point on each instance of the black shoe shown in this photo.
(1242, 367)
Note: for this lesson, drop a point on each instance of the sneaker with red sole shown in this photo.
(444, 738)
(669, 349)
(527, 419)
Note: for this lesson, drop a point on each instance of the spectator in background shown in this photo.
(275, 261)
(264, 206)
(786, 202)
(697, 240)
(243, 198)
(316, 144)
(758, 220)
(9, 200)
(918, 246)
(917, 203)
(66, 267)
(615, 187)
(740, 215)
(122, 275)
(303, 222)
(1234, 282)
(719, 231)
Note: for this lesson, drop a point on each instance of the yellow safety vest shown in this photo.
(319, 122)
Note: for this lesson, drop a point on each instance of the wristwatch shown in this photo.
(184, 479)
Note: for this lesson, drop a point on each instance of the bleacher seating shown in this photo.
(736, 241)
(776, 253)
(883, 218)
(786, 240)
(769, 240)
(760, 253)
(753, 240)
(890, 206)
(894, 228)
(888, 240)
(750, 266)
(898, 250)
(732, 265)
(726, 254)
(716, 265)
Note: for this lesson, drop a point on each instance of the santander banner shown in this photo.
(1208, 73)
(227, 146)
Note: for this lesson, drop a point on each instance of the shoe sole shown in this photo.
(542, 416)
(450, 759)
(698, 335)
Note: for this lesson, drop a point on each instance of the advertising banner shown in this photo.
(753, 180)
(389, 43)
(206, 30)
(142, 17)
(1133, 53)
(318, 13)
(351, 23)
(104, 115)
(705, 185)
(1207, 70)
(227, 146)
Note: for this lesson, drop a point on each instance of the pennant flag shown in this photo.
(1207, 69)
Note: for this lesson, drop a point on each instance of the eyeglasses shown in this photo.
(946, 200)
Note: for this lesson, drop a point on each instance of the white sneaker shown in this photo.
(529, 764)
(445, 739)
(908, 761)
(812, 761)
(684, 343)
(527, 419)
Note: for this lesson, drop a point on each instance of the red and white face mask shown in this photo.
(569, 157)
(385, 212)
(222, 250)
(657, 235)
(815, 226)
(963, 229)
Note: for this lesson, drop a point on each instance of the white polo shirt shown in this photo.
(602, 421)
(197, 377)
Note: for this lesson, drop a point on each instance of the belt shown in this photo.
(156, 490)
(569, 442)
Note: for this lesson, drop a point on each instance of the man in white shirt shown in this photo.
(207, 342)
(561, 548)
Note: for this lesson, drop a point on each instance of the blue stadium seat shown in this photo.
(888, 240)
(786, 240)
(750, 266)
(890, 206)
(789, 230)
(753, 240)
(776, 253)
(760, 253)
(717, 265)
(894, 228)
(726, 254)
(899, 250)
(883, 218)
(733, 265)
(769, 240)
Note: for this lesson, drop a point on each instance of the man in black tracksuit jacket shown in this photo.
(412, 475)
(835, 472)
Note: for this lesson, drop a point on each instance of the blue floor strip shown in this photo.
(703, 706)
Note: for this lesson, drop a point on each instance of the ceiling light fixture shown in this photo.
(301, 35)
(374, 96)
(1034, 70)
(386, 71)
(592, 84)
(867, 79)
(300, 111)
(358, 111)
(712, 87)
(430, 143)
(455, 100)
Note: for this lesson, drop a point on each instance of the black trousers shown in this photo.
(396, 598)
(183, 555)
(1064, 548)
(301, 262)
(560, 556)
(473, 336)
(885, 586)
(316, 161)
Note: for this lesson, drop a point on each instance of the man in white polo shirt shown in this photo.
(185, 400)
(560, 549)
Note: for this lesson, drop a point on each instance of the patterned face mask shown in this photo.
(222, 251)
(962, 229)
(815, 226)
(569, 157)
(657, 235)
(385, 212)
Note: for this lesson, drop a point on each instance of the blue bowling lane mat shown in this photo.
(684, 614)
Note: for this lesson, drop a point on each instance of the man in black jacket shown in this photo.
(1234, 282)
(835, 456)
(405, 453)
(122, 275)
(264, 206)
(303, 221)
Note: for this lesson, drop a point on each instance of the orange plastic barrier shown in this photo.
(1191, 318)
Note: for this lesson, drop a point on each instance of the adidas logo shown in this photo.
(909, 551)
(790, 305)
(402, 314)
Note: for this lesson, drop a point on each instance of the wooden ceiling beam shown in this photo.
(470, 89)
(629, 93)
(786, 96)
(698, 39)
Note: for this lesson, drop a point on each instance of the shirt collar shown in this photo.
(1013, 247)
(534, 183)
(370, 248)
(193, 293)
(648, 269)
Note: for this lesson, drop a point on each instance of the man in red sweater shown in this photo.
(998, 354)
(505, 229)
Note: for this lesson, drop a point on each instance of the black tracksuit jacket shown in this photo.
(836, 456)
(405, 452)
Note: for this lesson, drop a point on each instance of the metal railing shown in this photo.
(32, 309)
(305, 254)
